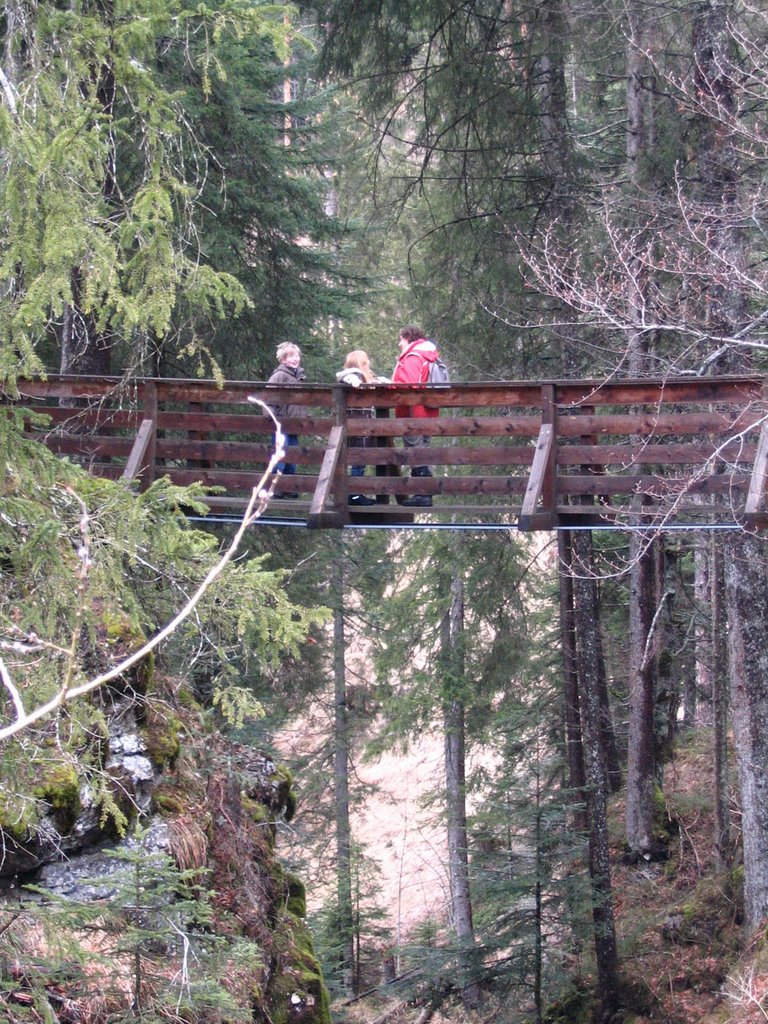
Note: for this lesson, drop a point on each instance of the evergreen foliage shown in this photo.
(90, 570)
(148, 191)
(143, 949)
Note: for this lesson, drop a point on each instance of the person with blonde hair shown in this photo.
(288, 371)
(357, 371)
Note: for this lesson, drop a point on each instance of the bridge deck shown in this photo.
(532, 455)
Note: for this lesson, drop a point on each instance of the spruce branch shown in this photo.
(258, 502)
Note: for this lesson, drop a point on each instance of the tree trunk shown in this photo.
(573, 747)
(719, 646)
(746, 589)
(641, 749)
(744, 557)
(85, 347)
(644, 552)
(587, 659)
(698, 705)
(341, 783)
(455, 783)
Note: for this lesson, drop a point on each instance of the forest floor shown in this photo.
(678, 922)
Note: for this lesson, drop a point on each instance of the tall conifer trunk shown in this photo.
(341, 782)
(587, 656)
(573, 745)
(719, 674)
(641, 749)
(582, 590)
(452, 630)
(645, 557)
(85, 345)
(744, 555)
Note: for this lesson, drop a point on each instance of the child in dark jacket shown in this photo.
(288, 371)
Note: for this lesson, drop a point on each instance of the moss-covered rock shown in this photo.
(297, 896)
(60, 789)
(282, 783)
(296, 993)
(16, 818)
(162, 738)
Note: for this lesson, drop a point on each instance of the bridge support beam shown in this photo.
(331, 485)
(542, 483)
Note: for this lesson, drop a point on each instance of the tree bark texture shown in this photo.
(744, 558)
(697, 709)
(643, 649)
(746, 588)
(341, 783)
(85, 346)
(719, 646)
(588, 654)
(572, 725)
(455, 780)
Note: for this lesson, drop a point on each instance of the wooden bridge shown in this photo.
(536, 456)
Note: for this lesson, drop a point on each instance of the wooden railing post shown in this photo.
(328, 507)
(542, 483)
(341, 470)
(549, 487)
(150, 413)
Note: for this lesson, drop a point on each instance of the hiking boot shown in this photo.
(417, 501)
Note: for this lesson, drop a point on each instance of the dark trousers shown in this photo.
(418, 441)
(287, 468)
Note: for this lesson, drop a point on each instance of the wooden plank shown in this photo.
(489, 456)
(661, 425)
(244, 453)
(695, 453)
(71, 387)
(490, 486)
(669, 391)
(339, 480)
(755, 503)
(542, 466)
(663, 488)
(738, 389)
(253, 425)
(96, 417)
(477, 395)
(133, 466)
(468, 485)
(320, 504)
(184, 392)
(236, 481)
(449, 426)
(150, 406)
(85, 444)
(549, 416)
(658, 424)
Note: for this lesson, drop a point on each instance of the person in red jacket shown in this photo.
(412, 367)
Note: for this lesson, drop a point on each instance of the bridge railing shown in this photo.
(535, 455)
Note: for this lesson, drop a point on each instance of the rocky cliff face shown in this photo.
(139, 877)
